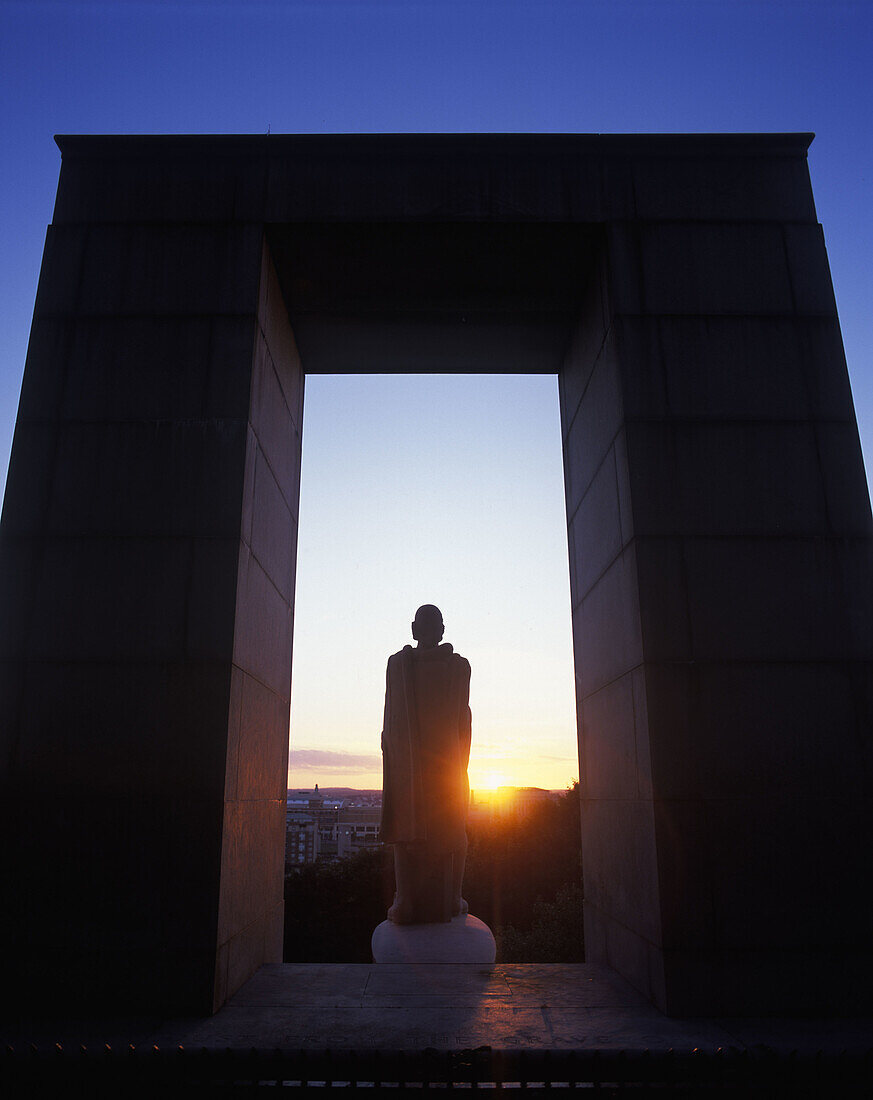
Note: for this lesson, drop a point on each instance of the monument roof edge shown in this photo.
(126, 146)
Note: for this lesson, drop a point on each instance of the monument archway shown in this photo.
(718, 524)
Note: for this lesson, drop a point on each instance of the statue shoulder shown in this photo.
(462, 663)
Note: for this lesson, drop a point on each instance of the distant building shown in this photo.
(528, 798)
(302, 842)
(363, 823)
(329, 829)
(487, 806)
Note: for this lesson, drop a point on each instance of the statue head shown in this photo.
(427, 626)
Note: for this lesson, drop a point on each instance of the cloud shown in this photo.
(323, 760)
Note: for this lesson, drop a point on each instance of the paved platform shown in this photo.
(451, 1007)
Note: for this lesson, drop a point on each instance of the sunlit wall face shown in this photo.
(444, 489)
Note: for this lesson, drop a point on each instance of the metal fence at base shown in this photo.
(133, 1071)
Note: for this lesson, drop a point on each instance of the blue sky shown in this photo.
(437, 65)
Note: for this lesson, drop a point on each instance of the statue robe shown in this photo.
(426, 748)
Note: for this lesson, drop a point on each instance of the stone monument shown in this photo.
(426, 735)
(718, 526)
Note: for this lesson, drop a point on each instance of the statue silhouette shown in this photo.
(425, 751)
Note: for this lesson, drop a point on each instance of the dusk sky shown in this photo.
(481, 533)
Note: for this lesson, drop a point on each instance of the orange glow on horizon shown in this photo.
(490, 781)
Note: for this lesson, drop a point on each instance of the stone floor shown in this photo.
(448, 1007)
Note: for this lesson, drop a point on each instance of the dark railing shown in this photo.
(138, 1071)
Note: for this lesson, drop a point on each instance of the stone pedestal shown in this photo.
(464, 939)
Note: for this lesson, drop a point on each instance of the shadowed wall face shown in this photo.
(720, 555)
(718, 521)
(251, 907)
(149, 534)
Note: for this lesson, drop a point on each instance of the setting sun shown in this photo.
(490, 781)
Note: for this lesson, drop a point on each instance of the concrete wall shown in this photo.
(720, 542)
(148, 541)
(719, 530)
(622, 901)
(251, 905)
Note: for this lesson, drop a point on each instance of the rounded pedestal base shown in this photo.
(464, 939)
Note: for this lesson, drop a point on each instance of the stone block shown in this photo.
(29, 480)
(136, 368)
(586, 344)
(860, 675)
(787, 873)
(640, 362)
(20, 570)
(264, 621)
(483, 342)
(263, 742)
(45, 376)
(748, 984)
(619, 861)
(622, 479)
(274, 426)
(279, 339)
(59, 287)
(160, 904)
(847, 499)
(606, 626)
(811, 283)
(211, 606)
(663, 600)
(854, 587)
(624, 282)
(245, 954)
(131, 729)
(824, 360)
(157, 368)
(102, 598)
(594, 428)
(643, 734)
(234, 718)
(631, 955)
(596, 525)
(594, 929)
(169, 269)
(248, 494)
(252, 856)
(775, 599)
(731, 368)
(714, 269)
(685, 869)
(148, 478)
(274, 529)
(609, 763)
(475, 183)
(680, 743)
(220, 992)
(571, 549)
(619, 198)
(143, 188)
(740, 189)
(718, 479)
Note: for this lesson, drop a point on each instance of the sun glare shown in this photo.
(491, 781)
